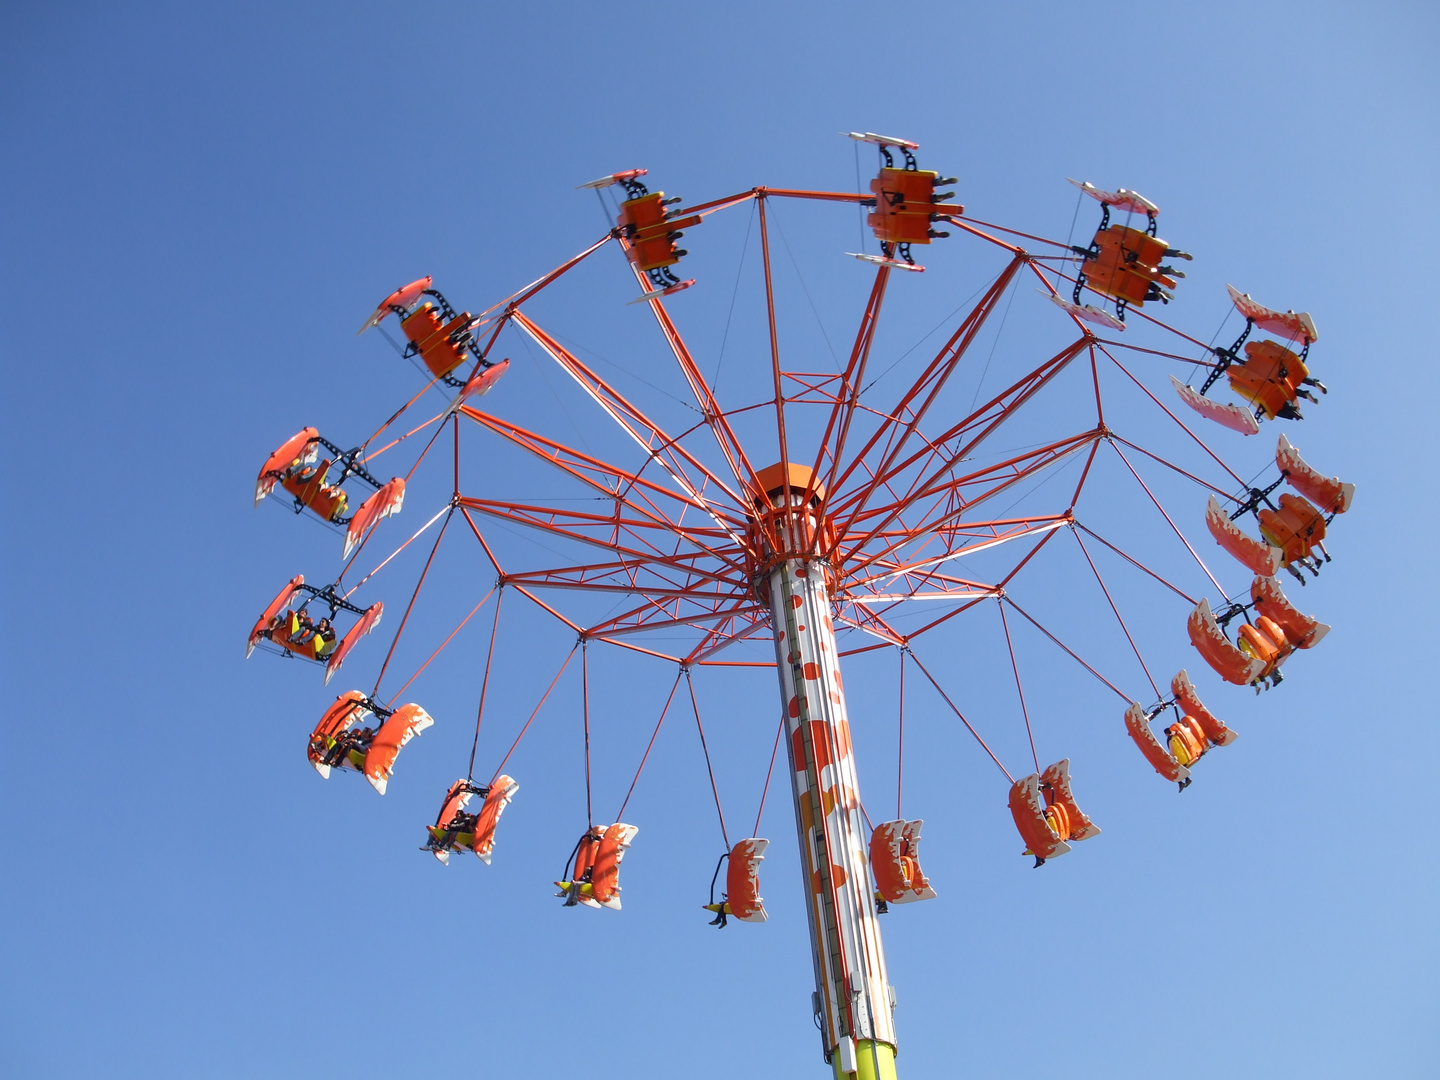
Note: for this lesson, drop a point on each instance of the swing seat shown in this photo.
(295, 452)
(1255, 555)
(1190, 704)
(1044, 833)
(1328, 493)
(1055, 786)
(1264, 641)
(349, 709)
(382, 504)
(398, 729)
(895, 862)
(435, 340)
(1295, 528)
(742, 883)
(442, 838)
(1270, 376)
(1186, 741)
(1300, 631)
(502, 790)
(367, 622)
(651, 232)
(904, 204)
(1138, 725)
(1229, 662)
(266, 620)
(1230, 416)
(1124, 264)
(402, 297)
(1289, 324)
(596, 880)
(283, 628)
(315, 494)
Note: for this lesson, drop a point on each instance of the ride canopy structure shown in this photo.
(1006, 428)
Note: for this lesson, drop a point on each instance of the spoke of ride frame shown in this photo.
(1084, 474)
(411, 606)
(715, 417)
(1196, 555)
(441, 647)
(724, 834)
(585, 702)
(926, 672)
(1118, 618)
(485, 682)
(1095, 381)
(517, 298)
(483, 545)
(1006, 474)
(962, 439)
(620, 814)
(1068, 651)
(843, 412)
(766, 789)
(928, 387)
(1019, 689)
(647, 434)
(773, 523)
(536, 713)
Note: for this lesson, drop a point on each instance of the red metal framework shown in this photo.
(891, 495)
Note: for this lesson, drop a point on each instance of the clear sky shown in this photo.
(201, 202)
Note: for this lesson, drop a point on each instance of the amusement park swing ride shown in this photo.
(825, 538)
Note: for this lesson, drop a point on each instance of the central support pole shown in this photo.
(853, 1000)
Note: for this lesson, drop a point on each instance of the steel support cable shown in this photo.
(442, 645)
(620, 814)
(764, 791)
(1222, 492)
(1005, 315)
(1069, 651)
(806, 290)
(585, 708)
(395, 442)
(900, 747)
(690, 685)
(411, 606)
(536, 713)
(725, 336)
(1196, 555)
(983, 745)
(425, 451)
(1137, 563)
(1164, 408)
(396, 416)
(443, 510)
(485, 682)
(1118, 618)
(1019, 689)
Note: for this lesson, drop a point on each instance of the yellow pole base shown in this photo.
(873, 1061)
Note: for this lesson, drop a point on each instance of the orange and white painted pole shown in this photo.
(853, 1000)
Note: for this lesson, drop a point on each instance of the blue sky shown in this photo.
(201, 205)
